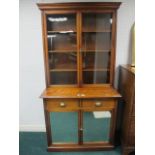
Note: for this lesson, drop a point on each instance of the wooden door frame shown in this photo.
(113, 47)
(45, 45)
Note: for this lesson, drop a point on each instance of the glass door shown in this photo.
(64, 127)
(96, 126)
(62, 49)
(96, 47)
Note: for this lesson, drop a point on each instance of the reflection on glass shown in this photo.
(96, 126)
(96, 22)
(63, 77)
(96, 48)
(95, 77)
(60, 61)
(64, 127)
(96, 41)
(62, 42)
(61, 22)
(96, 60)
(57, 19)
(62, 49)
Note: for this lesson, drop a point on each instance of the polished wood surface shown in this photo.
(83, 147)
(64, 105)
(98, 104)
(77, 6)
(74, 92)
(48, 125)
(127, 89)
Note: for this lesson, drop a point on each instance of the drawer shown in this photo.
(97, 105)
(61, 105)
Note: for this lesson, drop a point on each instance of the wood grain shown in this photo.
(127, 89)
(90, 105)
(113, 49)
(73, 92)
(77, 6)
(55, 105)
(48, 125)
(84, 147)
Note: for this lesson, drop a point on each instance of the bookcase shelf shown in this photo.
(63, 70)
(95, 70)
(96, 31)
(96, 50)
(62, 51)
(62, 31)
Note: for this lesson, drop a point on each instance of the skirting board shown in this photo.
(32, 128)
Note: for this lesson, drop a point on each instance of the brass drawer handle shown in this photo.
(78, 94)
(62, 104)
(98, 104)
(83, 95)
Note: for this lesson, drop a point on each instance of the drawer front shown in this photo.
(97, 105)
(62, 105)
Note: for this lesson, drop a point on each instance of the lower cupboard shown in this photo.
(73, 124)
(65, 127)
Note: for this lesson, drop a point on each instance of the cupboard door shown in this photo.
(96, 47)
(64, 127)
(62, 48)
(96, 126)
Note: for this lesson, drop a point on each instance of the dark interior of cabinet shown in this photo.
(63, 77)
(96, 22)
(96, 77)
(62, 42)
(96, 60)
(63, 61)
(96, 41)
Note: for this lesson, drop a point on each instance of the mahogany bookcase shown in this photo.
(80, 102)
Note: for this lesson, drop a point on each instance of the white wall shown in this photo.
(32, 81)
